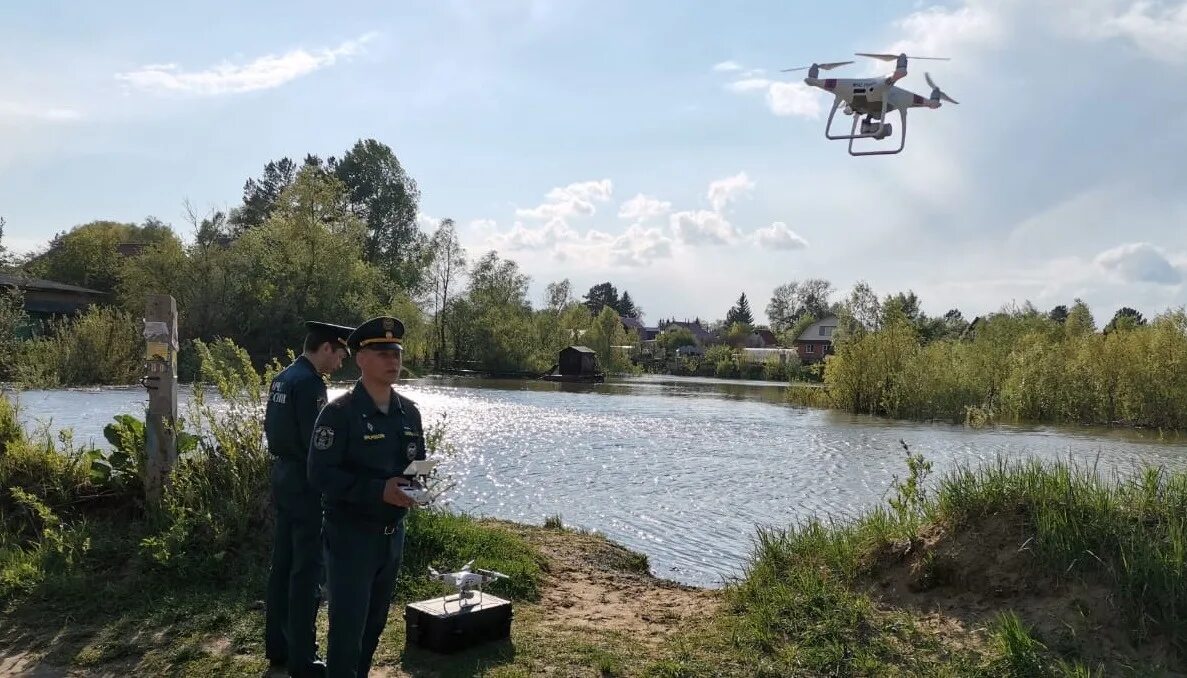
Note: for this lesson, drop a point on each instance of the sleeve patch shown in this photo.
(323, 437)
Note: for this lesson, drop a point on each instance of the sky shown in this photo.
(655, 145)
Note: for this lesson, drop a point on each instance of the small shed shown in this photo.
(578, 360)
(47, 298)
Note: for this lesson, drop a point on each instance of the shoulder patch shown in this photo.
(323, 437)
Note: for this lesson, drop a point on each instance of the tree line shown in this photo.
(333, 239)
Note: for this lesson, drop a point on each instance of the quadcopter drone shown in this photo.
(465, 581)
(873, 98)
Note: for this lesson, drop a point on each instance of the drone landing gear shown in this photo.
(883, 130)
(870, 129)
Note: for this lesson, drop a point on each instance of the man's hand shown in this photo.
(392, 494)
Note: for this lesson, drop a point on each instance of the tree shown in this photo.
(600, 295)
(1125, 318)
(259, 197)
(626, 306)
(305, 262)
(782, 308)
(740, 313)
(448, 263)
(791, 301)
(1079, 320)
(1058, 314)
(861, 311)
(88, 254)
(386, 198)
(558, 295)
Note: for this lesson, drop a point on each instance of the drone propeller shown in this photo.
(827, 67)
(492, 573)
(466, 567)
(893, 57)
(936, 92)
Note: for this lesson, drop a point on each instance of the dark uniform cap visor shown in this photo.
(384, 346)
(329, 331)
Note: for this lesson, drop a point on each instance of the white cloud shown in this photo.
(576, 199)
(262, 73)
(703, 228)
(779, 236)
(1158, 30)
(640, 246)
(545, 237)
(19, 111)
(782, 98)
(748, 84)
(793, 98)
(726, 67)
(1139, 262)
(724, 191)
(643, 207)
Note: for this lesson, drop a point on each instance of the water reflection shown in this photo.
(681, 469)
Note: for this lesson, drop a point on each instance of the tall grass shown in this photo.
(1127, 532)
(799, 604)
(1018, 367)
(102, 345)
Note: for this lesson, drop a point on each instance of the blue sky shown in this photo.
(652, 144)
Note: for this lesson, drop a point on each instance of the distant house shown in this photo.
(635, 325)
(701, 335)
(816, 341)
(45, 299)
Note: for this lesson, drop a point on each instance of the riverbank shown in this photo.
(988, 577)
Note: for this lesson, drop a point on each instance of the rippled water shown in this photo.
(680, 469)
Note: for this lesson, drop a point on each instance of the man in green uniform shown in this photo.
(295, 397)
(361, 445)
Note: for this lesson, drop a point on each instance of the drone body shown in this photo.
(466, 580)
(872, 98)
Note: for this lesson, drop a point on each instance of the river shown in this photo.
(681, 469)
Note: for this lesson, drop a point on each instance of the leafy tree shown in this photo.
(259, 197)
(558, 295)
(304, 263)
(88, 255)
(861, 311)
(448, 264)
(793, 300)
(605, 334)
(674, 338)
(1125, 318)
(740, 313)
(386, 198)
(502, 331)
(1079, 320)
(737, 334)
(600, 295)
(1059, 314)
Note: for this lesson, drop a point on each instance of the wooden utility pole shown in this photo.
(160, 433)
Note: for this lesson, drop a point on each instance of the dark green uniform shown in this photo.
(295, 397)
(355, 449)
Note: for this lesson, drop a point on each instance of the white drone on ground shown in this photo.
(873, 98)
(466, 581)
